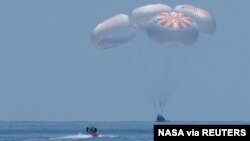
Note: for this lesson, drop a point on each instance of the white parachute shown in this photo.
(204, 19)
(113, 32)
(142, 15)
(162, 68)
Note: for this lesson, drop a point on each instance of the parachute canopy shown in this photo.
(205, 21)
(142, 15)
(113, 32)
(161, 69)
(172, 28)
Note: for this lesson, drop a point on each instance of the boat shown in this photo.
(95, 134)
(92, 131)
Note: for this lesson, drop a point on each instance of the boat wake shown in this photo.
(83, 136)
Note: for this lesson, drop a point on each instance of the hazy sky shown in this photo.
(50, 71)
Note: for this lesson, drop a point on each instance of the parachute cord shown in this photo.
(153, 78)
(161, 110)
(180, 75)
(167, 57)
(145, 67)
(169, 87)
(142, 63)
(125, 75)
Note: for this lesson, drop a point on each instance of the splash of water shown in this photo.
(83, 136)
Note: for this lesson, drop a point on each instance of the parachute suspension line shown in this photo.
(180, 69)
(142, 90)
(123, 75)
(153, 77)
(142, 63)
(170, 77)
(168, 60)
(171, 52)
(146, 60)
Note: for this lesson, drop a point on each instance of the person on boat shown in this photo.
(87, 130)
(91, 130)
(94, 130)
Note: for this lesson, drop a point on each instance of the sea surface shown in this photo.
(75, 130)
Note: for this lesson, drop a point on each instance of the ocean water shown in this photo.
(70, 131)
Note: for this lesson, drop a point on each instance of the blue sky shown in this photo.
(50, 71)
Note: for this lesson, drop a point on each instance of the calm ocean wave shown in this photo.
(67, 131)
